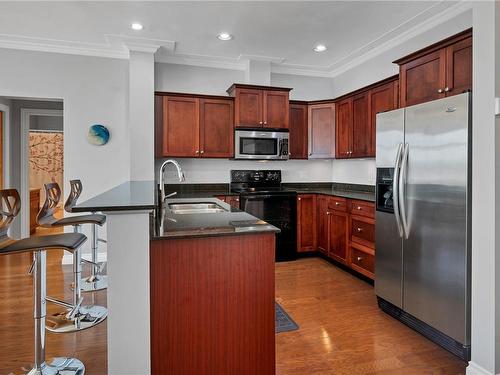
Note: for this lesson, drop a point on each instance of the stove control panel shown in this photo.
(256, 176)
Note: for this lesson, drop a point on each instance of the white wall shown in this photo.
(194, 79)
(94, 90)
(304, 87)
(217, 170)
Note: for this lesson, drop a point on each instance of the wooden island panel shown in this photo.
(212, 305)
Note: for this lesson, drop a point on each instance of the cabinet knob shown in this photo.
(289, 154)
(440, 91)
(446, 89)
(265, 122)
(359, 259)
(310, 153)
(237, 199)
(197, 152)
(202, 152)
(328, 213)
(299, 198)
(337, 204)
(260, 122)
(359, 229)
(359, 207)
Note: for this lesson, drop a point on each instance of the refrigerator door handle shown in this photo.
(402, 190)
(395, 189)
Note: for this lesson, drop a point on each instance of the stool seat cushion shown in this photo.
(67, 241)
(80, 219)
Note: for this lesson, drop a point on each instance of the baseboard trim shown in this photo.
(68, 258)
(475, 369)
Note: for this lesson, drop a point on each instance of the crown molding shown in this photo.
(119, 46)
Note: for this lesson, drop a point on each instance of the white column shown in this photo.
(128, 293)
(485, 205)
(141, 112)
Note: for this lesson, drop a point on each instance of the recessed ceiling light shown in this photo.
(320, 48)
(136, 26)
(224, 36)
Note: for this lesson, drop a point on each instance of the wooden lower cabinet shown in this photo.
(344, 230)
(306, 222)
(232, 200)
(339, 235)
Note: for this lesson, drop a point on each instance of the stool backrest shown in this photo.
(74, 194)
(10, 204)
(52, 198)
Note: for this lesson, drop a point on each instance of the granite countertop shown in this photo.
(233, 221)
(360, 195)
(128, 196)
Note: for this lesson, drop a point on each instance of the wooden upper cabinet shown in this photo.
(194, 126)
(423, 79)
(459, 67)
(276, 109)
(306, 222)
(321, 131)
(440, 70)
(298, 131)
(361, 128)
(181, 126)
(249, 107)
(382, 98)
(343, 128)
(216, 128)
(260, 106)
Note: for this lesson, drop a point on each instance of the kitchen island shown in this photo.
(189, 291)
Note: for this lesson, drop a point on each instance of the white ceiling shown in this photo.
(281, 32)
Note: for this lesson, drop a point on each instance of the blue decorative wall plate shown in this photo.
(98, 135)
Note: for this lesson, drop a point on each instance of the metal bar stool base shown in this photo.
(94, 283)
(58, 366)
(87, 317)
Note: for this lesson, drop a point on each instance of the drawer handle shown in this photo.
(359, 259)
(337, 204)
(359, 229)
(360, 208)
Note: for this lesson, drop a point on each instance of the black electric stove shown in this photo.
(262, 196)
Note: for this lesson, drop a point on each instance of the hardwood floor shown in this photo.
(342, 331)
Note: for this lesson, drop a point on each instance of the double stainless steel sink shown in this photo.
(196, 208)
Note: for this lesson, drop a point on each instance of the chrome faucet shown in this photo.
(180, 174)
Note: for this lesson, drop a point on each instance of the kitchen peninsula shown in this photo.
(193, 277)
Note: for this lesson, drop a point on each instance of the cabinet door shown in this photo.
(459, 67)
(338, 227)
(248, 107)
(361, 131)
(423, 79)
(306, 222)
(321, 131)
(343, 128)
(181, 126)
(276, 109)
(381, 100)
(323, 215)
(298, 131)
(216, 128)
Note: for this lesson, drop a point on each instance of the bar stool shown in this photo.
(96, 281)
(79, 317)
(9, 207)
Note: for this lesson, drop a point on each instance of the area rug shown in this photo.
(283, 321)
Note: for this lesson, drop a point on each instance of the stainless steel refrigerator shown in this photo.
(423, 212)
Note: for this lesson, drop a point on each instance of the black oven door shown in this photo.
(279, 210)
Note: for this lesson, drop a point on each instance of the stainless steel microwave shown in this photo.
(261, 144)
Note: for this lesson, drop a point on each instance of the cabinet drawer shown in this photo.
(337, 203)
(362, 208)
(363, 232)
(362, 262)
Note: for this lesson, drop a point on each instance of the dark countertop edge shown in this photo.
(116, 208)
(181, 234)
